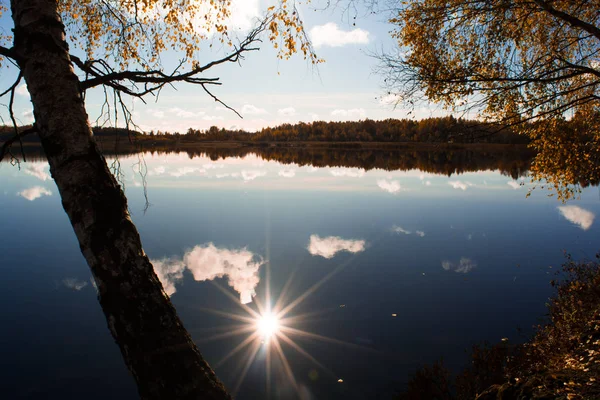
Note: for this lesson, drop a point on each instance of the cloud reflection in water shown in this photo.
(399, 229)
(389, 186)
(34, 193)
(74, 284)
(329, 246)
(38, 170)
(287, 173)
(250, 175)
(578, 216)
(514, 184)
(460, 184)
(348, 172)
(464, 265)
(209, 262)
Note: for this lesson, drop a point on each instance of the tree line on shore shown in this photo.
(431, 130)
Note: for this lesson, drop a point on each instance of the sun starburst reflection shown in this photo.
(267, 325)
(270, 326)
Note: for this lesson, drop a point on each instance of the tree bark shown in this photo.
(157, 349)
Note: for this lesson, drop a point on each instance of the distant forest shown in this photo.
(431, 130)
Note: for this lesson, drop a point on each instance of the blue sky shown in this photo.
(268, 91)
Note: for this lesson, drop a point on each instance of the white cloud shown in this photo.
(427, 183)
(212, 118)
(287, 112)
(460, 185)
(513, 184)
(348, 172)
(389, 100)
(74, 284)
(354, 113)
(331, 35)
(27, 116)
(244, 14)
(34, 193)
(157, 113)
(464, 265)
(181, 113)
(39, 171)
(250, 175)
(389, 186)
(420, 233)
(578, 216)
(399, 229)
(22, 90)
(313, 117)
(249, 109)
(328, 247)
(287, 173)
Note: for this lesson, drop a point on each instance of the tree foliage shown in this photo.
(560, 361)
(568, 155)
(121, 44)
(133, 32)
(518, 59)
(511, 60)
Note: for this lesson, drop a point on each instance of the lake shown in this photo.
(377, 265)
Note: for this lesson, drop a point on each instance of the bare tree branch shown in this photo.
(141, 82)
(9, 53)
(6, 145)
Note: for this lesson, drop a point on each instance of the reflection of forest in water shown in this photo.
(513, 161)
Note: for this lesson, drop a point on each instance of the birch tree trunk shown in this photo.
(157, 349)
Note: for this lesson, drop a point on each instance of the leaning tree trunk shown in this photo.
(157, 349)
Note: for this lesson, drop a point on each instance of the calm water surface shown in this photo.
(378, 272)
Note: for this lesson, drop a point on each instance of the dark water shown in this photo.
(378, 271)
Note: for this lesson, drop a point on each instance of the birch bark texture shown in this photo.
(156, 347)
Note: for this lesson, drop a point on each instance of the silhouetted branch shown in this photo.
(13, 86)
(573, 21)
(6, 145)
(140, 83)
(472, 62)
(9, 53)
(220, 101)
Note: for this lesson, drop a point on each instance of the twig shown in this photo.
(6, 145)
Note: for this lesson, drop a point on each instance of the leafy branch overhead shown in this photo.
(123, 40)
(130, 32)
(511, 62)
(119, 44)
